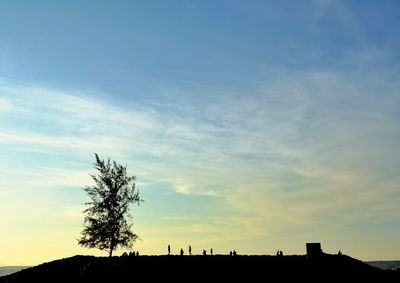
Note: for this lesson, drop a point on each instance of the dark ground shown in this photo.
(327, 268)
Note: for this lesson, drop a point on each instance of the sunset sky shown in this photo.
(250, 125)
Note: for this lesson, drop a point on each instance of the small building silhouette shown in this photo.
(313, 250)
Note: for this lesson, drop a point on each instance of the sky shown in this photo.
(250, 125)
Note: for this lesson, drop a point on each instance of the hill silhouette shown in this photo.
(201, 268)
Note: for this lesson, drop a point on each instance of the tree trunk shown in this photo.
(111, 246)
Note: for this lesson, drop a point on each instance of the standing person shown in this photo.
(211, 252)
(190, 250)
(169, 249)
(181, 251)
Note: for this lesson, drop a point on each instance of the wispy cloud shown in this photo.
(288, 155)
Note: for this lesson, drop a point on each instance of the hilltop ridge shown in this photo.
(209, 268)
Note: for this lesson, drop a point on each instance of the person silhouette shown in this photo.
(169, 249)
(230, 253)
(190, 250)
(204, 252)
(340, 252)
(234, 252)
(181, 251)
(137, 253)
(211, 252)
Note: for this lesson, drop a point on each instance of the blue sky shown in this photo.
(254, 125)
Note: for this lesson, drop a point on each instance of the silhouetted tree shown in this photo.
(106, 223)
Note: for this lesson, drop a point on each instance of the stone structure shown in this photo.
(313, 250)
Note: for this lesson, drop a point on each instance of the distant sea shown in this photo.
(5, 270)
(385, 264)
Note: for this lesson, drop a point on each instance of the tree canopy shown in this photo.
(107, 224)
